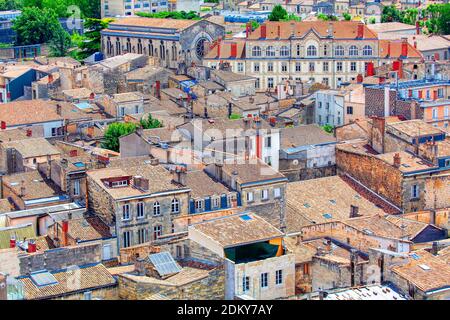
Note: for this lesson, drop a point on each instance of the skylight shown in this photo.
(424, 267)
(327, 216)
(306, 205)
(415, 256)
(246, 217)
(43, 278)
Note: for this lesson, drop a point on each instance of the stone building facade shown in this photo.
(319, 51)
(173, 41)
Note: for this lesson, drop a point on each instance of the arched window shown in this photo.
(162, 50)
(270, 51)
(298, 50)
(118, 47)
(150, 48)
(128, 45)
(174, 51)
(156, 209)
(139, 46)
(108, 46)
(284, 51)
(311, 51)
(175, 205)
(353, 51)
(325, 50)
(256, 51)
(367, 50)
(339, 51)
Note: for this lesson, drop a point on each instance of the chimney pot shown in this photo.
(263, 31)
(397, 160)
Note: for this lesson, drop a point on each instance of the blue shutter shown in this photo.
(223, 201)
(191, 206)
(208, 204)
(239, 200)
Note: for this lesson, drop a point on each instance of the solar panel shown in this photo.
(43, 278)
(164, 263)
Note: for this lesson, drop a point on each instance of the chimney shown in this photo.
(370, 69)
(58, 109)
(263, 29)
(31, 246)
(248, 29)
(29, 132)
(218, 49)
(158, 89)
(360, 34)
(397, 160)
(234, 50)
(434, 248)
(359, 78)
(328, 245)
(3, 125)
(92, 96)
(381, 80)
(22, 188)
(50, 78)
(330, 30)
(417, 27)
(404, 47)
(292, 29)
(12, 242)
(65, 230)
(279, 31)
(389, 49)
(354, 210)
(247, 123)
(180, 175)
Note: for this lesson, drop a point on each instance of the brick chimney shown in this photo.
(31, 246)
(58, 109)
(179, 175)
(389, 49)
(404, 47)
(360, 33)
(359, 78)
(65, 230)
(233, 49)
(263, 29)
(50, 78)
(3, 125)
(417, 27)
(279, 31)
(397, 160)
(12, 242)
(248, 29)
(434, 248)
(370, 69)
(218, 49)
(29, 132)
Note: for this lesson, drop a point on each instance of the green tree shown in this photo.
(60, 43)
(328, 128)
(391, 14)
(10, 5)
(114, 132)
(291, 17)
(278, 13)
(347, 16)
(150, 123)
(35, 26)
(372, 20)
(438, 18)
(326, 17)
(90, 42)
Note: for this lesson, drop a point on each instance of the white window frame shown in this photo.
(76, 187)
(126, 212)
(264, 194)
(175, 205)
(264, 280)
(140, 210)
(279, 277)
(250, 197)
(277, 193)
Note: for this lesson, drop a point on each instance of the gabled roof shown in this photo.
(341, 30)
(177, 24)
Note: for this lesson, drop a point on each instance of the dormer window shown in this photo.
(117, 182)
(122, 183)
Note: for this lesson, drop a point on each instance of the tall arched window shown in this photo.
(298, 50)
(108, 46)
(118, 47)
(311, 51)
(256, 51)
(367, 50)
(156, 209)
(270, 51)
(174, 51)
(353, 51)
(128, 45)
(339, 51)
(162, 50)
(175, 205)
(284, 51)
(150, 48)
(139, 46)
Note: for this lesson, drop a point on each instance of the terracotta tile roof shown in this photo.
(88, 277)
(225, 50)
(177, 24)
(36, 185)
(28, 111)
(338, 253)
(425, 271)
(444, 254)
(252, 172)
(390, 27)
(202, 185)
(377, 225)
(235, 230)
(303, 136)
(5, 206)
(409, 162)
(127, 97)
(396, 49)
(324, 200)
(80, 93)
(90, 228)
(14, 134)
(35, 147)
(414, 128)
(341, 29)
(160, 180)
(411, 227)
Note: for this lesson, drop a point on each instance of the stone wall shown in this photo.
(60, 258)
(211, 287)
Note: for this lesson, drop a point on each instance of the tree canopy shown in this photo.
(35, 26)
(90, 42)
(60, 43)
(114, 132)
(278, 13)
(191, 15)
(150, 123)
